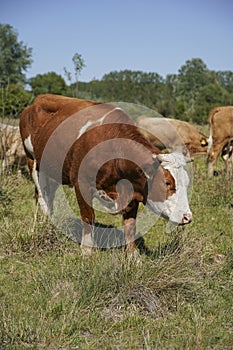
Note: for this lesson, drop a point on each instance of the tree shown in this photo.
(225, 78)
(79, 64)
(14, 98)
(191, 76)
(190, 79)
(49, 83)
(210, 96)
(132, 86)
(15, 57)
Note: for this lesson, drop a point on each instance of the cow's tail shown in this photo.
(212, 114)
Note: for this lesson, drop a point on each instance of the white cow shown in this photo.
(11, 147)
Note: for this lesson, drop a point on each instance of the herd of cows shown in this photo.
(99, 150)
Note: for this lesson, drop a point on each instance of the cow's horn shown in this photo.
(157, 157)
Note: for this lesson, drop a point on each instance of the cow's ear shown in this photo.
(148, 171)
(157, 158)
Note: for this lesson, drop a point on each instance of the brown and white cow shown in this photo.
(11, 147)
(96, 148)
(221, 135)
(166, 133)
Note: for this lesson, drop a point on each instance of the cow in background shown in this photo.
(11, 148)
(173, 134)
(97, 149)
(221, 137)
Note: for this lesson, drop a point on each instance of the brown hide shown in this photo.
(93, 146)
(173, 134)
(221, 133)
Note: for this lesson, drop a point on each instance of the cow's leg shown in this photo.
(46, 190)
(212, 157)
(228, 165)
(88, 219)
(30, 163)
(45, 187)
(40, 189)
(129, 219)
(229, 159)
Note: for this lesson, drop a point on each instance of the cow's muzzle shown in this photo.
(187, 218)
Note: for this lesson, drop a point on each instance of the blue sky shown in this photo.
(150, 35)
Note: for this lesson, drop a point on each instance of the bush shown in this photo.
(13, 99)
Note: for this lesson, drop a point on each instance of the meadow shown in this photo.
(180, 296)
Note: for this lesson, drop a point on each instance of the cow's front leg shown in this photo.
(212, 157)
(88, 219)
(129, 219)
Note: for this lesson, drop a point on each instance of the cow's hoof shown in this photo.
(87, 252)
(134, 257)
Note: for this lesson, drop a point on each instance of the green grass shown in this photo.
(179, 297)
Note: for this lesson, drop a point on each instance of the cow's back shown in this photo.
(69, 121)
(54, 123)
(158, 130)
(173, 133)
(221, 123)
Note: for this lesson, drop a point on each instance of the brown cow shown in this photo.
(221, 134)
(97, 149)
(11, 147)
(173, 134)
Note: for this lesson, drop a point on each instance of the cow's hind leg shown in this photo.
(45, 189)
(88, 219)
(228, 165)
(228, 158)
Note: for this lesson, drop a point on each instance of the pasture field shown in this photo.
(179, 297)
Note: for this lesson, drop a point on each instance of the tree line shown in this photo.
(188, 95)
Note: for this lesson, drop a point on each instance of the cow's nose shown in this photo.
(187, 218)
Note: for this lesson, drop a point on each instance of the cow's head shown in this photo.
(175, 206)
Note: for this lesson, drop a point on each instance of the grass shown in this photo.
(178, 297)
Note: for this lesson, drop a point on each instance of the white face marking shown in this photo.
(176, 206)
(28, 145)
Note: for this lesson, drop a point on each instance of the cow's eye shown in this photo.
(169, 186)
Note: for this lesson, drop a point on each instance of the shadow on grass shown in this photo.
(173, 246)
(109, 237)
(104, 236)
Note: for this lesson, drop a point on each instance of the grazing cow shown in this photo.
(96, 148)
(221, 137)
(11, 147)
(173, 134)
